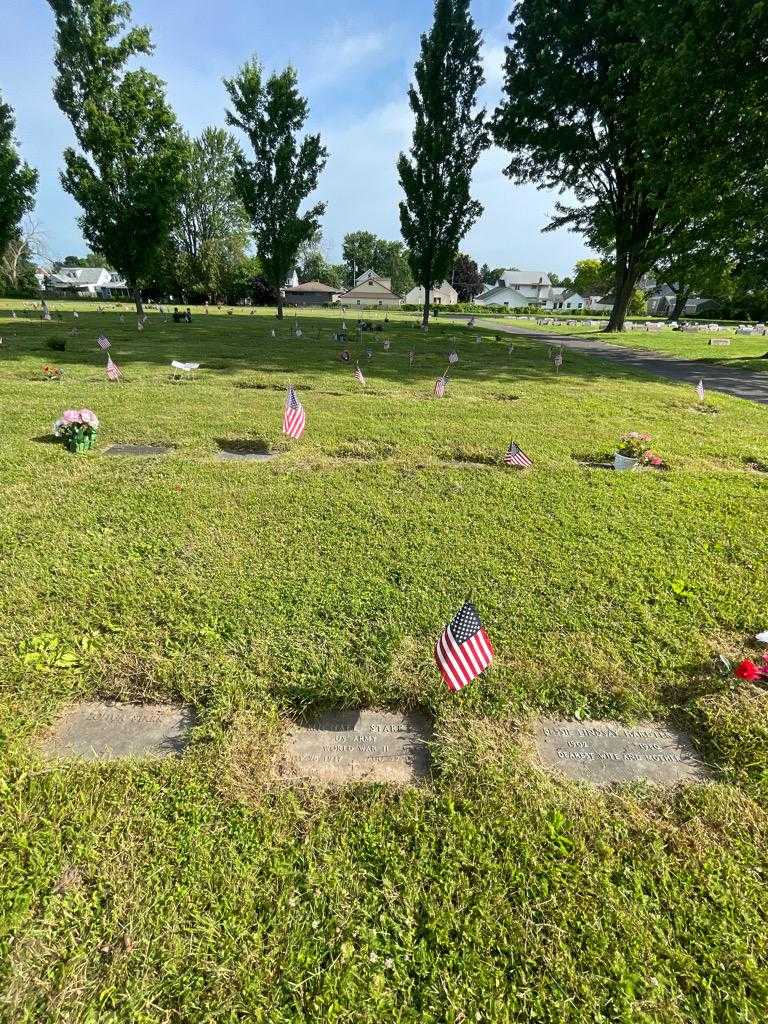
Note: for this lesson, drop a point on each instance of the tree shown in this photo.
(492, 275)
(609, 98)
(362, 251)
(127, 177)
(466, 278)
(448, 138)
(316, 268)
(284, 170)
(210, 229)
(91, 259)
(592, 277)
(18, 181)
(27, 244)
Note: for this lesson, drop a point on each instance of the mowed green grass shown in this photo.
(205, 890)
(746, 352)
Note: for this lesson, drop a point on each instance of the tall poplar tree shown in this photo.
(18, 181)
(127, 175)
(283, 172)
(448, 138)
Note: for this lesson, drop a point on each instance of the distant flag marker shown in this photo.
(359, 375)
(700, 390)
(103, 342)
(294, 417)
(464, 650)
(440, 385)
(411, 357)
(453, 357)
(515, 456)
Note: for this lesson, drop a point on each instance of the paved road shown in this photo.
(752, 385)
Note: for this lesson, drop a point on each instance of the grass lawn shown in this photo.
(744, 352)
(204, 890)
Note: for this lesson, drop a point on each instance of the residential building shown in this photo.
(371, 291)
(518, 289)
(311, 293)
(87, 282)
(441, 295)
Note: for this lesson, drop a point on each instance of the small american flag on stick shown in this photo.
(463, 650)
(440, 385)
(359, 375)
(700, 390)
(453, 357)
(515, 456)
(411, 357)
(113, 370)
(294, 417)
(103, 342)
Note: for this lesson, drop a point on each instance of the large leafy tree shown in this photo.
(18, 181)
(363, 250)
(449, 136)
(210, 230)
(127, 175)
(593, 277)
(642, 110)
(284, 170)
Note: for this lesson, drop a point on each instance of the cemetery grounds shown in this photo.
(207, 888)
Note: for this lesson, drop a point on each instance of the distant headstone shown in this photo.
(605, 752)
(137, 449)
(235, 451)
(722, 342)
(96, 731)
(370, 746)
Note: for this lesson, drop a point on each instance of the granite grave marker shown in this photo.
(107, 731)
(371, 746)
(604, 752)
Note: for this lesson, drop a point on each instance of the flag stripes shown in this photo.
(515, 456)
(294, 417)
(463, 650)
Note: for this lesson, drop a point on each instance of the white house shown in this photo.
(518, 289)
(441, 295)
(89, 282)
(371, 291)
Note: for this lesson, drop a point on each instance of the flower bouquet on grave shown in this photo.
(752, 672)
(52, 373)
(77, 429)
(634, 451)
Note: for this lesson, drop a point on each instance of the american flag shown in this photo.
(103, 342)
(700, 390)
(453, 357)
(359, 375)
(386, 346)
(516, 457)
(440, 385)
(113, 370)
(558, 360)
(463, 650)
(294, 417)
(411, 357)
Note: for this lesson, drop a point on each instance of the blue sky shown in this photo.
(354, 61)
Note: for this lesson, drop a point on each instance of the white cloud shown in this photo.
(338, 53)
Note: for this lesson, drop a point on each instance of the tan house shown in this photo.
(371, 291)
(311, 293)
(442, 295)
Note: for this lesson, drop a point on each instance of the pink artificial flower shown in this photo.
(89, 418)
(71, 416)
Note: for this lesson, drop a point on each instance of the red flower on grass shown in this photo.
(748, 670)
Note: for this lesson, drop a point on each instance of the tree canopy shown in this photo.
(448, 137)
(127, 175)
(18, 181)
(284, 170)
(636, 109)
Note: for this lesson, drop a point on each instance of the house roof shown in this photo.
(514, 278)
(313, 286)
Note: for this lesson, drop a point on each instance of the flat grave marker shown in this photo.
(367, 746)
(603, 752)
(107, 731)
(245, 451)
(137, 449)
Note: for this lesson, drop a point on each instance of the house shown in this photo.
(661, 301)
(442, 295)
(311, 293)
(87, 282)
(371, 291)
(518, 289)
(566, 298)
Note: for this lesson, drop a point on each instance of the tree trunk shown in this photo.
(627, 277)
(137, 300)
(681, 298)
(279, 305)
(425, 315)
